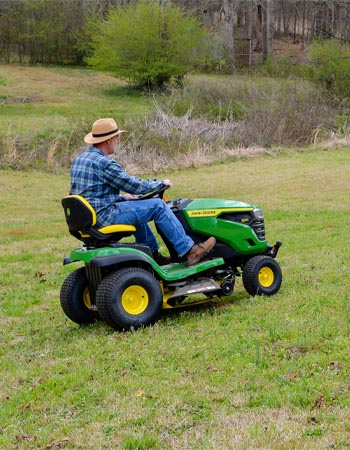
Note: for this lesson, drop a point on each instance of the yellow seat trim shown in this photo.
(87, 204)
(110, 229)
(118, 228)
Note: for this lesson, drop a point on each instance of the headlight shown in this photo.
(258, 213)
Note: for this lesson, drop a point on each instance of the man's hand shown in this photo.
(130, 196)
(168, 183)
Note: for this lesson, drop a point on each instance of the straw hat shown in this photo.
(102, 130)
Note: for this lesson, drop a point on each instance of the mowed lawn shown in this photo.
(241, 373)
(47, 102)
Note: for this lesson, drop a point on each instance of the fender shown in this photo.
(104, 261)
(132, 251)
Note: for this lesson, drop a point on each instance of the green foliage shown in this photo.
(331, 66)
(149, 43)
(46, 31)
(144, 443)
(280, 67)
(343, 122)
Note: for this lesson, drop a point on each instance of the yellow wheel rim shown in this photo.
(86, 298)
(135, 300)
(266, 277)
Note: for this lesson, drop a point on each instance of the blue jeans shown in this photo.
(140, 212)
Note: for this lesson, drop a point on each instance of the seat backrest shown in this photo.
(80, 215)
(81, 219)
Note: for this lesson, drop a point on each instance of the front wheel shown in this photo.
(262, 275)
(129, 298)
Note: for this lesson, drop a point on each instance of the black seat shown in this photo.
(81, 218)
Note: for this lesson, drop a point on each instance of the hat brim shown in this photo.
(90, 139)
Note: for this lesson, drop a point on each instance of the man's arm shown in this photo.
(118, 178)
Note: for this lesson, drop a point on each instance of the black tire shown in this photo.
(129, 298)
(75, 298)
(262, 275)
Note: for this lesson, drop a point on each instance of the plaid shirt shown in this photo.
(100, 179)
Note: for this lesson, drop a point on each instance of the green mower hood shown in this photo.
(237, 224)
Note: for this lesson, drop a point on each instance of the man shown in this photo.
(99, 179)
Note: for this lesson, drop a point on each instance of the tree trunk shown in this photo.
(228, 9)
(267, 34)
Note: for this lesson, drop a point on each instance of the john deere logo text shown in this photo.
(202, 213)
(214, 212)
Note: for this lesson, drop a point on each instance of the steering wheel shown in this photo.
(157, 193)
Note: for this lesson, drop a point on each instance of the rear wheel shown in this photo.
(75, 298)
(129, 298)
(262, 275)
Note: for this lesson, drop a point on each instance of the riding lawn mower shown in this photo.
(121, 284)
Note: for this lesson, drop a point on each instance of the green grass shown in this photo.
(50, 100)
(46, 111)
(245, 372)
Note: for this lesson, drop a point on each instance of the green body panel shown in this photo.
(214, 203)
(203, 216)
(171, 272)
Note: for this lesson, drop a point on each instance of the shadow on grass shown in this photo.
(210, 305)
(168, 317)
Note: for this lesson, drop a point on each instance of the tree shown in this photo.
(149, 42)
(43, 31)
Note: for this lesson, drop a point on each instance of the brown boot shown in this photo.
(198, 251)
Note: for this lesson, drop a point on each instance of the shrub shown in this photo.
(214, 98)
(280, 67)
(330, 66)
(262, 111)
(149, 43)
